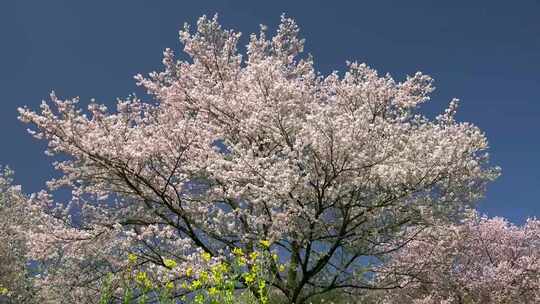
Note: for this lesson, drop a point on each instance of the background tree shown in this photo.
(16, 284)
(480, 261)
(333, 171)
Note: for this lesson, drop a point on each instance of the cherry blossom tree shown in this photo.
(16, 284)
(480, 261)
(234, 149)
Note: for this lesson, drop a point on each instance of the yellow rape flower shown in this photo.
(203, 276)
(265, 244)
(255, 268)
(221, 268)
(3, 291)
(169, 285)
(281, 268)
(212, 291)
(196, 284)
(253, 256)
(132, 258)
(189, 271)
(242, 261)
(238, 251)
(141, 277)
(218, 271)
(169, 263)
(206, 256)
(199, 299)
(249, 277)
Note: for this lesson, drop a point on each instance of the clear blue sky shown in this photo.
(487, 53)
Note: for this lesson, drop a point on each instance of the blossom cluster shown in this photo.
(478, 261)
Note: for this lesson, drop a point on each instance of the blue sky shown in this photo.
(487, 53)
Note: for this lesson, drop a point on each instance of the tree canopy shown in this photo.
(334, 173)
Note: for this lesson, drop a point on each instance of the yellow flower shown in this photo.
(203, 276)
(255, 268)
(275, 257)
(265, 244)
(206, 256)
(3, 291)
(196, 284)
(281, 268)
(220, 268)
(141, 277)
(169, 263)
(217, 272)
(238, 251)
(199, 299)
(169, 285)
(242, 261)
(253, 256)
(212, 291)
(189, 271)
(132, 258)
(249, 277)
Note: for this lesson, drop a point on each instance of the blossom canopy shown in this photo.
(238, 149)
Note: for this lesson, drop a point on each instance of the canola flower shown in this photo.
(216, 284)
(238, 251)
(199, 299)
(253, 256)
(3, 291)
(212, 291)
(142, 279)
(218, 271)
(206, 256)
(265, 244)
(242, 261)
(169, 263)
(132, 258)
(203, 276)
(196, 284)
(249, 278)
